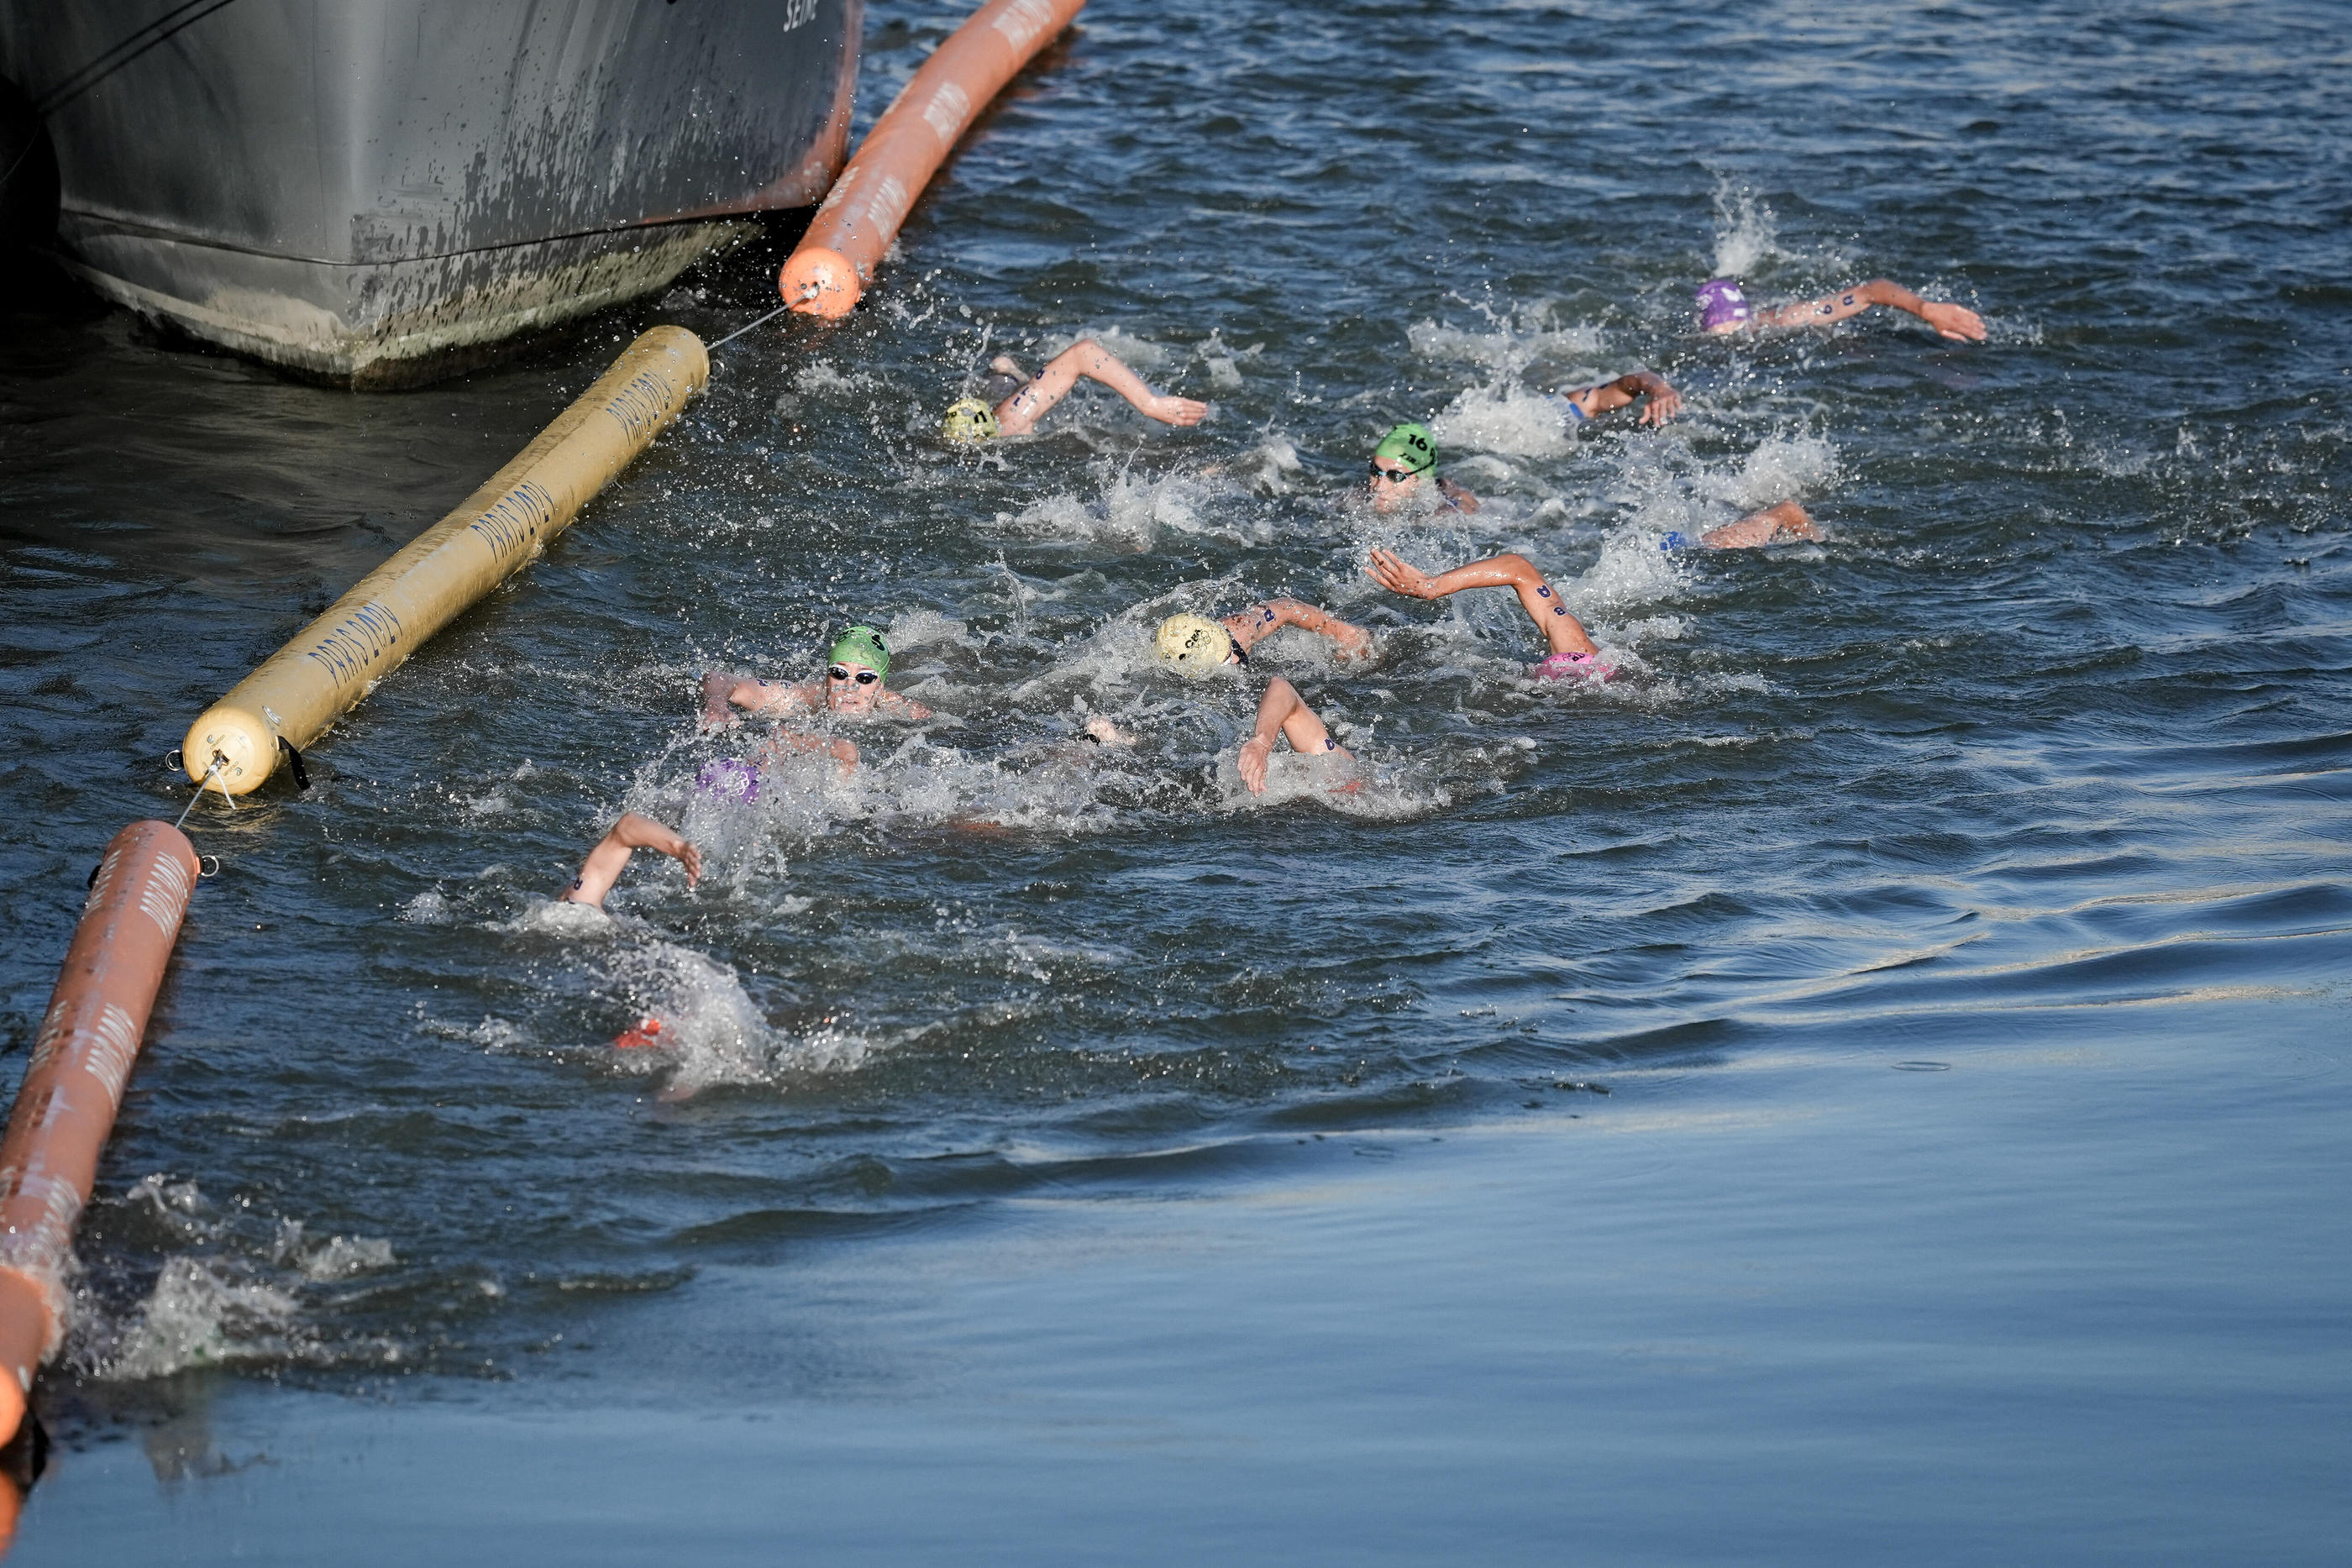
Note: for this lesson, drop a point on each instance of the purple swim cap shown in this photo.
(1722, 303)
(728, 778)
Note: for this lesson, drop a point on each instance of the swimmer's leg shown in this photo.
(1282, 711)
(1772, 526)
(611, 857)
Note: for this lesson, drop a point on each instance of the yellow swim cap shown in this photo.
(1193, 644)
(967, 421)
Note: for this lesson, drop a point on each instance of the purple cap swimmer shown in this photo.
(729, 779)
(1722, 306)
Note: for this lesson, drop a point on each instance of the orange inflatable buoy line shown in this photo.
(65, 1109)
(861, 214)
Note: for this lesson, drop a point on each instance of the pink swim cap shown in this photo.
(1572, 667)
(1722, 303)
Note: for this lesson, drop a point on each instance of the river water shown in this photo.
(1867, 1084)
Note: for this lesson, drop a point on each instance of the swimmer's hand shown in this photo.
(1665, 402)
(1401, 577)
(1252, 761)
(1957, 323)
(718, 712)
(1170, 409)
(1102, 732)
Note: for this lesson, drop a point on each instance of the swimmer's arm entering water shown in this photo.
(611, 857)
(1261, 621)
(1019, 414)
(1595, 400)
(1282, 711)
(1561, 630)
(898, 706)
(722, 693)
(1957, 323)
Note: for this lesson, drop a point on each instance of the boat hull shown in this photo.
(374, 192)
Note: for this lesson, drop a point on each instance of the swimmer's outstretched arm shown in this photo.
(898, 706)
(1017, 414)
(1562, 631)
(611, 857)
(1263, 620)
(1955, 322)
(1595, 400)
(720, 690)
(1282, 711)
(1773, 525)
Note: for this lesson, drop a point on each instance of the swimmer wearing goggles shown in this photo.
(1723, 308)
(1404, 466)
(1022, 400)
(1196, 647)
(853, 686)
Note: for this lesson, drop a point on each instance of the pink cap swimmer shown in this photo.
(1722, 305)
(1573, 667)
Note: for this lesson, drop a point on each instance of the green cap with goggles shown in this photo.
(862, 645)
(1411, 444)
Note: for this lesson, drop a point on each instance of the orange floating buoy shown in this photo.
(641, 1038)
(73, 1085)
(861, 214)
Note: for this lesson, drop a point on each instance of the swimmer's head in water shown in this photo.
(1409, 445)
(1723, 305)
(862, 645)
(1193, 644)
(968, 422)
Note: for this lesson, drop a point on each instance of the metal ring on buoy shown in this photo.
(200, 865)
(171, 760)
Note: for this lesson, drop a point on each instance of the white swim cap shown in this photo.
(1193, 644)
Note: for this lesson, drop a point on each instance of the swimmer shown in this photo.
(611, 857)
(1259, 622)
(855, 687)
(1723, 307)
(1406, 456)
(1194, 647)
(1024, 400)
(1573, 653)
(1784, 523)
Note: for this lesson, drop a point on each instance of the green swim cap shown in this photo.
(862, 645)
(967, 422)
(1411, 444)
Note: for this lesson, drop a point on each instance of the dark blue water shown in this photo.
(1067, 1157)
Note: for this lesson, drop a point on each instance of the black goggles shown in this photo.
(1394, 475)
(842, 672)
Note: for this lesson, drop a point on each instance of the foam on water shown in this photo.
(234, 1288)
(712, 1032)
